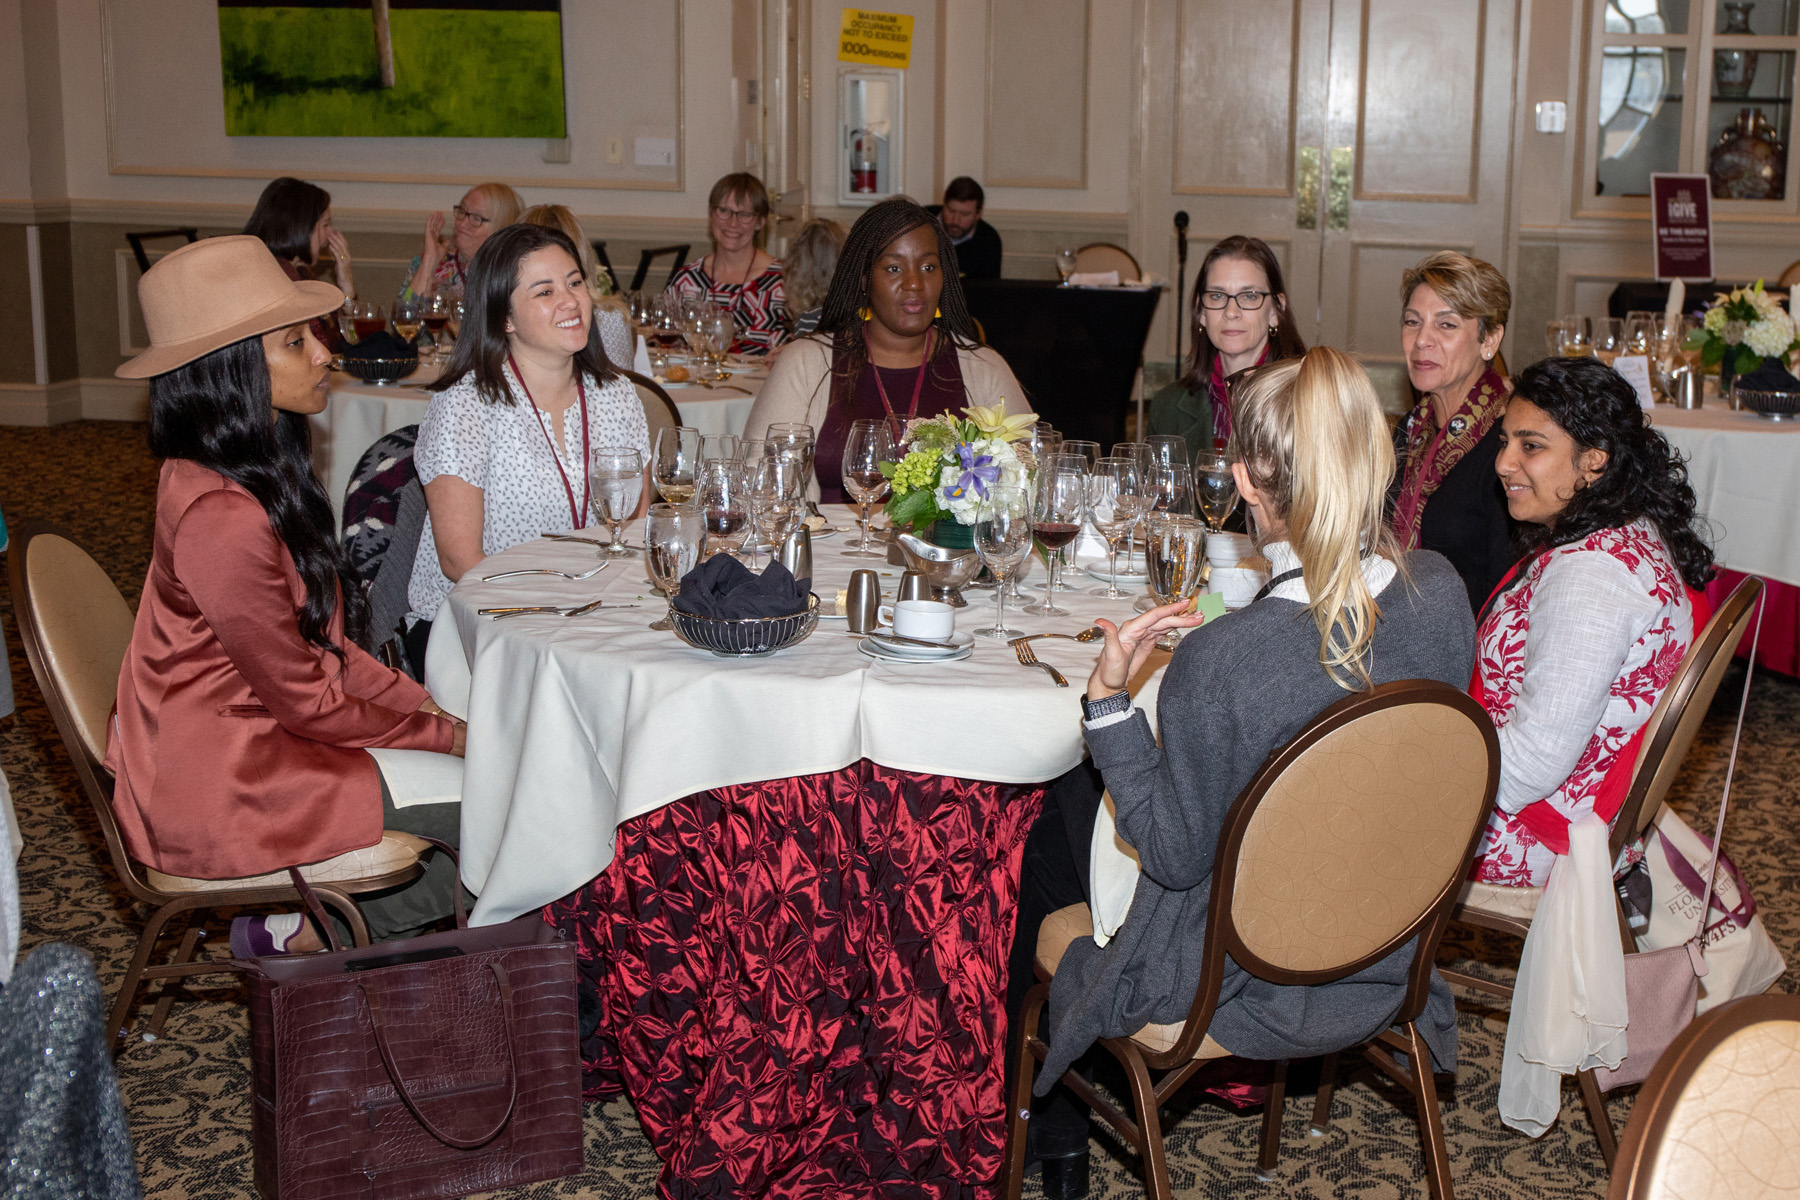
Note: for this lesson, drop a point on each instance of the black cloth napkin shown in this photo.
(382, 345)
(724, 588)
(1770, 377)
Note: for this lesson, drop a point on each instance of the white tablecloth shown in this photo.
(1746, 477)
(358, 413)
(577, 725)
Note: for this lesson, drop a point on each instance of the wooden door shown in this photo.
(1418, 154)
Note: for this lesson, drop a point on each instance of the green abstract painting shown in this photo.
(392, 68)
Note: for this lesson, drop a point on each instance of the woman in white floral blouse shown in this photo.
(1577, 644)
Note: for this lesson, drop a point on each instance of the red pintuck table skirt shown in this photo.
(803, 982)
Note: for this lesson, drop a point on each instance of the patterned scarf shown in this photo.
(1431, 452)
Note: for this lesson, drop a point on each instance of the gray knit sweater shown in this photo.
(1236, 690)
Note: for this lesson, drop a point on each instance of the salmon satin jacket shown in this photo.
(237, 745)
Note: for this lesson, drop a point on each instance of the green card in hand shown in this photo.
(1210, 605)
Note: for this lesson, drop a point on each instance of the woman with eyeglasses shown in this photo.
(739, 275)
(1240, 319)
(1446, 496)
(484, 210)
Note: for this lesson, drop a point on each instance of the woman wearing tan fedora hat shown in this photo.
(245, 707)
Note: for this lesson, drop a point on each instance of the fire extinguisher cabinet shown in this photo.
(871, 108)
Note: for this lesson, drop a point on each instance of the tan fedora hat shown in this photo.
(215, 292)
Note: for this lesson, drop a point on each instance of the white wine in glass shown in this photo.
(676, 463)
(1215, 490)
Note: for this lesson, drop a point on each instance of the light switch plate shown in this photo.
(1552, 116)
(615, 151)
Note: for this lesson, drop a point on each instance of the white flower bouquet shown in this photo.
(1743, 327)
(951, 463)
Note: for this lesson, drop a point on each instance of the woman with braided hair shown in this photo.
(895, 341)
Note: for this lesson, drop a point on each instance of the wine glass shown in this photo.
(722, 498)
(722, 445)
(1061, 502)
(457, 308)
(1115, 501)
(1002, 540)
(1065, 264)
(409, 318)
(1167, 450)
(1088, 450)
(672, 538)
(1577, 336)
(869, 447)
(366, 319)
(435, 311)
(720, 331)
(752, 450)
(616, 483)
(1174, 551)
(1137, 450)
(1215, 489)
(1608, 339)
(1171, 489)
(1553, 336)
(775, 492)
(676, 462)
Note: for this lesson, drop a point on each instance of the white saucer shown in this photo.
(960, 645)
(1099, 571)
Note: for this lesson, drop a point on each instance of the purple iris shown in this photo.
(978, 471)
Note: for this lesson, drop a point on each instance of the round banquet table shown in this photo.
(358, 413)
(791, 879)
(1745, 472)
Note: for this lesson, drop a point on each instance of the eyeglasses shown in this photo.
(1248, 300)
(471, 216)
(736, 215)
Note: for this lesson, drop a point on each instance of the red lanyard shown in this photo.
(577, 516)
(912, 410)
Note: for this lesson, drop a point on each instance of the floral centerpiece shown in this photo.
(952, 462)
(1742, 328)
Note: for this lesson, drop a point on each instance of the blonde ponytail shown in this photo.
(1311, 434)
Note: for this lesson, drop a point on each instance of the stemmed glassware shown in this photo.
(722, 497)
(1174, 552)
(1608, 339)
(409, 316)
(1088, 450)
(775, 495)
(1577, 336)
(1115, 502)
(869, 446)
(1061, 502)
(1002, 540)
(677, 463)
(366, 319)
(722, 445)
(616, 483)
(1215, 489)
(1065, 264)
(436, 314)
(1167, 450)
(1170, 488)
(672, 539)
(720, 331)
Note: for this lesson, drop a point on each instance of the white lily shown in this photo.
(994, 422)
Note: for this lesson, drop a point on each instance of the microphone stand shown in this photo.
(1181, 228)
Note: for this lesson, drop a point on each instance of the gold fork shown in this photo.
(1028, 658)
(1091, 634)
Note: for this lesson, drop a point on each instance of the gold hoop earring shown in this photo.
(863, 313)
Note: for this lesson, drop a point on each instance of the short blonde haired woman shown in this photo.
(484, 210)
(610, 312)
(1343, 612)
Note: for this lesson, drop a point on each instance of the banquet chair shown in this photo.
(137, 241)
(1790, 276)
(1717, 1115)
(1669, 733)
(605, 263)
(384, 518)
(659, 410)
(1403, 774)
(1104, 256)
(76, 627)
(646, 257)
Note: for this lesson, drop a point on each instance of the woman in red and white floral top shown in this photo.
(1577, 643)
(738, 275)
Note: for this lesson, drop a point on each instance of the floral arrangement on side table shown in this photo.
(951, 462)
(1742, 328)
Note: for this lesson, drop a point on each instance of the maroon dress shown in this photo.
(941, 391)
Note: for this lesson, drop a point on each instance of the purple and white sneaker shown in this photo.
(259, 937)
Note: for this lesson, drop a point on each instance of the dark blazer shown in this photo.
(979, 257)
(1466, 519)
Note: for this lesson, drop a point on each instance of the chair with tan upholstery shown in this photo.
(1402, 776)
(1719, 1116)
(76, 628)
(1096, 257)
(659, 410)
(1673, 725)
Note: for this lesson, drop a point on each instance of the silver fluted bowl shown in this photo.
(1775, 406)
(745, 637)
(946, 571)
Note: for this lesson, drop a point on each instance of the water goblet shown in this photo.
(1174, 552)
(1065, 264)
(1215, 489)
(676, 462)
(672, 540)
(1002, 540)
(776, 494)
(616, 483)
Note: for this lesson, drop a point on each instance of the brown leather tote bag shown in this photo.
(434, 1067)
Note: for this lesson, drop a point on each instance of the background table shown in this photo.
(1076, 350)
(1745, 472)
(358, 413)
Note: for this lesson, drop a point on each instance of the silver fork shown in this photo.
(1029, 658)
(546, 571)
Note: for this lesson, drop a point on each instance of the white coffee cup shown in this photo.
(1238, 585)
(928, 620)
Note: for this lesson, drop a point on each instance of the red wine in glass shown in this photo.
(871, 482)
(436, 323)
(1055, 534)
(723, 522)
(368, 327)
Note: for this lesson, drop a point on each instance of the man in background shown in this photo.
(977, 245)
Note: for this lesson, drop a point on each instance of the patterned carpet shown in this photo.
(187, 1093)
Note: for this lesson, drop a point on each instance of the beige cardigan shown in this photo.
(799, 386)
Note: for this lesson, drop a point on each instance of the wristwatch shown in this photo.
(1106, 706)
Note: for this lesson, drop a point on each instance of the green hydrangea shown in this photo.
(917, 470)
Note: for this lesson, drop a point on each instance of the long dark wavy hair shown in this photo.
(841, 319)
(285, 215)
(1284, 342)
(1643, 476)
(481, 345)
(215, 411)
